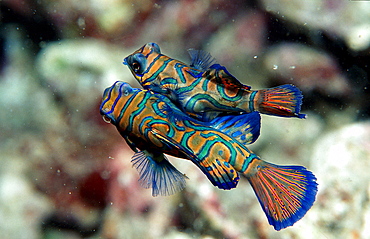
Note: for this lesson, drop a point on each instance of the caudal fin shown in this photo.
(284, 100)
(285, 193)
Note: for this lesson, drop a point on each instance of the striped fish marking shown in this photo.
(205, 89)
(153, 126)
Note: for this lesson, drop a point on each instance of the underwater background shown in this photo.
(65, 173)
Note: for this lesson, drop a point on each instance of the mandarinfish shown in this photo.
(153, 126)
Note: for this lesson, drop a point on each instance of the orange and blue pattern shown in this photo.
(205, 89)
(153, 126)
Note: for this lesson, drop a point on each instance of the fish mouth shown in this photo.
(125, 61)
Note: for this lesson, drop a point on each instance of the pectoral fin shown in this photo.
(158, 173)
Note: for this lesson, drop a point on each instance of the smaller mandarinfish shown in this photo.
(204, 89)
(153, 126)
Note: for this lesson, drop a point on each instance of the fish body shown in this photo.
(205, 89)
(153, 126)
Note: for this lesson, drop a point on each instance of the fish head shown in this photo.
(139, 61)
(114, 100)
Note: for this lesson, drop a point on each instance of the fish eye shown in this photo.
(137, 63)
(136, 67)
(107, 119)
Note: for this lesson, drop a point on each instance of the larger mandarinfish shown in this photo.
(152, 125)
(204, 89)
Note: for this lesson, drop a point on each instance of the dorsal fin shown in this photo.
(244, 128)
(222, 76)
(200, 59)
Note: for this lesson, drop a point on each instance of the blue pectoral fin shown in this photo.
(245, 128)
(158, 173)
(220, 173)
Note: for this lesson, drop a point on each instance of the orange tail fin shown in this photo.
(284, 100)
(285, 193)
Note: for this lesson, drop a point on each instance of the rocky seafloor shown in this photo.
(65, 173)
